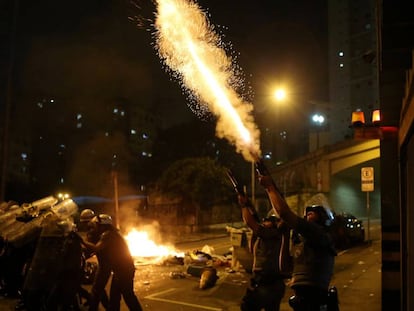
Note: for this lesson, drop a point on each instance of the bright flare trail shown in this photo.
(188, 45)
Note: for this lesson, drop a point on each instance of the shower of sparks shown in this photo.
(188, 45)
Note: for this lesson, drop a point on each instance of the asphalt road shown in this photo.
(357, 277)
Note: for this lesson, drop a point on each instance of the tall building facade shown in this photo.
(55, 145)
(353, 76)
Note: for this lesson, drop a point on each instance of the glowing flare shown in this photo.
(191, 49)
(219, 94)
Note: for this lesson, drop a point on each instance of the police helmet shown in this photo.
(86, 215)
(102, 219)
(325, 214)
(14, 207)
(273, 218)
(65, 226)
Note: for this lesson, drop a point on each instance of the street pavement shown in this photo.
(358, 286)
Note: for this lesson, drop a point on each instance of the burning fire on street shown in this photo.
(146, 251)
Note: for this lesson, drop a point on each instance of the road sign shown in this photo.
(367, 179)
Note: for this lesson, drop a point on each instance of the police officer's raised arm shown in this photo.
(278, 202)
(248, 217)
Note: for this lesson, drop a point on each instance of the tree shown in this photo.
(200, 180)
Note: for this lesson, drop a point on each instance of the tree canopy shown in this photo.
(201, 180)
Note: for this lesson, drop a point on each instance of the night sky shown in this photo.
(95, 50)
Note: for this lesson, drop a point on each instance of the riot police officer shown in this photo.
(88, 228)
(313, 250)
(114, 256)
(271, 260)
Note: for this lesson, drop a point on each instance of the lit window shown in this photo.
(115, 111)
(341, 53)
(62, 146)
(62, 180)
(40, 105)
(133, 132)
(106, 134)
(341, 65)
(52, 100)
(122, 113)
(78, 116)
(79, 125)
(145, 136)
(24, 156)
(144, 154)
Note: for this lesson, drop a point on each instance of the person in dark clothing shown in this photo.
(62, 295)
(92, 235)
(313, 250)
(114, 256)
(271, 261)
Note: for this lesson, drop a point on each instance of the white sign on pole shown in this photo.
(367, 179)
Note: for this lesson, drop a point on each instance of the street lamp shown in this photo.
(279, 94)
(280, 98)
(319, 120)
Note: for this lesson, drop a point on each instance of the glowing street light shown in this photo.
(279, 94)
(319, 120)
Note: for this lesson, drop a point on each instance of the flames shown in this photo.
(142, 246)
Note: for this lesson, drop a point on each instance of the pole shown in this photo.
(115, 179)
(317, 139)
(368, 216)
(253, 182)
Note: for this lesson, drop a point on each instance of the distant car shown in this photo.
(349, 230)
(354, 228)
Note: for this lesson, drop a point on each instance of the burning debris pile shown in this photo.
(202, 263)
(147, 251)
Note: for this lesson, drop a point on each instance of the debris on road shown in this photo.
(208, 278)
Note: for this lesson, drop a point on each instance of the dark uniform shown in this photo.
(93, 236)
(314, 258)
(267, 286)
(313, 249)
(62, 295)
(114, 256)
